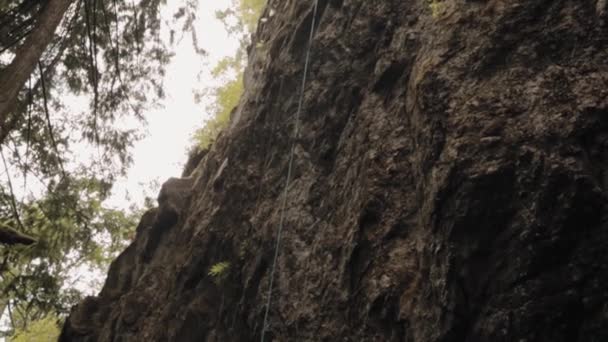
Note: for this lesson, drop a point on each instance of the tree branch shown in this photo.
(48, 120)
(8, 235)
(13, 78)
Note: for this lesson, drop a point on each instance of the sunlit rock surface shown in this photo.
(449, 185)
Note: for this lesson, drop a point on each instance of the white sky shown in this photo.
(163, 152)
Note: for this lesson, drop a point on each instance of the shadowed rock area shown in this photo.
(449, 184)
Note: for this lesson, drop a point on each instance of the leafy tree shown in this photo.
(226, 98)
(230, 70)
(246, 13)
(59, 159)
(73, 230)
(14, 77)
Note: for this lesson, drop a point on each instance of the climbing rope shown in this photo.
(289, 170)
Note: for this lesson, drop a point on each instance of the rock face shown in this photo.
(449, 184)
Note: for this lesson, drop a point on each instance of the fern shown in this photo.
(219, 271)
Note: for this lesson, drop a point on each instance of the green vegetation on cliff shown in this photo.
(229, 70)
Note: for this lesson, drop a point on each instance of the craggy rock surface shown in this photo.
(450, 184)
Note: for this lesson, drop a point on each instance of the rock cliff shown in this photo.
(449, 183)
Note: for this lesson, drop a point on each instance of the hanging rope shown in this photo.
(289, 170)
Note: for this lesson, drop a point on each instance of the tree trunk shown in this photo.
(13, 78)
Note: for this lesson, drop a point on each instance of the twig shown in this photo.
(48, 120)
(12, 193)
(92, 61)
(28, 136)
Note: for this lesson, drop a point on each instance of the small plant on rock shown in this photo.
(219, 271)
(437, 7)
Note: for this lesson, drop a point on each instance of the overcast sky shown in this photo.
(163, 152)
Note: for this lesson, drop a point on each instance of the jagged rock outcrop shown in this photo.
(450, 184)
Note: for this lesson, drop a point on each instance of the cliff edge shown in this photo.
(449, 184)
